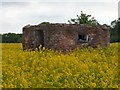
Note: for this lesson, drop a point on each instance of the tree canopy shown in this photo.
(11, 38)
(83, 19)
(115, 31)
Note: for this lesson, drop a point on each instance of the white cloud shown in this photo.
(119, 9)
(15, 15)
(61, 0)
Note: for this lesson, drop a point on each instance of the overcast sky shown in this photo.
(14, 15)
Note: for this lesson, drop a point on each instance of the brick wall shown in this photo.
(65, 36)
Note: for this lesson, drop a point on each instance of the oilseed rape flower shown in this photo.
(80, 68)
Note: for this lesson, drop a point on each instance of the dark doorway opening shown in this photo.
(41, 37)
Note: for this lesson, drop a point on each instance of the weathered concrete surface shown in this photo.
(65, 36)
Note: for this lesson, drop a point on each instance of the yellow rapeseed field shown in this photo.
(83, 68)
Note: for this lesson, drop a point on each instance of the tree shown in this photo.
(83, 19)
(11, 38)
(115, 31)
(0, 38)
